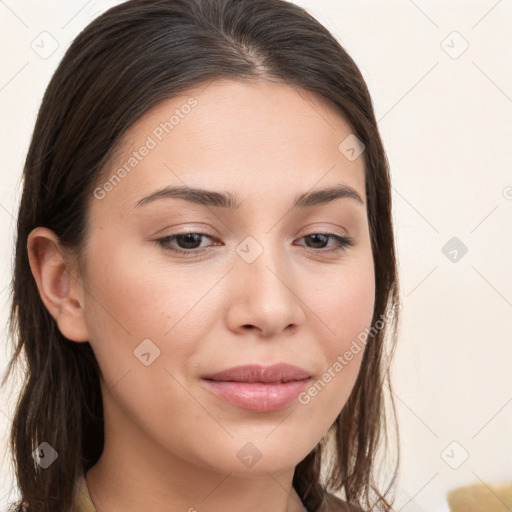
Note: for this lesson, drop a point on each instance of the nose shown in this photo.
(266, 297)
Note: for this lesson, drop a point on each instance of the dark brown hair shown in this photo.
(121, 65)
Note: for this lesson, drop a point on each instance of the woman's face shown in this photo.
(257, 285)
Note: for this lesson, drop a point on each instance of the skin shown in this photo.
(170, 444)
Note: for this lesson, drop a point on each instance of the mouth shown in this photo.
(258, 388)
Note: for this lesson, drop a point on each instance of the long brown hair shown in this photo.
(124, 63)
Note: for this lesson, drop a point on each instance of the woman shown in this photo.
(205, 269)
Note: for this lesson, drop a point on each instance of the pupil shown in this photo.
(189, 238)
(317, 236)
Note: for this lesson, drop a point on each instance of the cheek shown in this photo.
(131, 300)
(346, 308)
(141, 335)
(343, 354)
(122, 305)
(347, 301)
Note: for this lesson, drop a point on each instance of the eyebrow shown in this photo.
(228, 200)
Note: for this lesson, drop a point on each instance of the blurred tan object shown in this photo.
(481, 497)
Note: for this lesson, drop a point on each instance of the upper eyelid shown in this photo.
(208, 235)
(348, 240)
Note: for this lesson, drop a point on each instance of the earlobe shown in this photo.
(59, 290)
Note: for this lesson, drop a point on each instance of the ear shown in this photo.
(60, 291)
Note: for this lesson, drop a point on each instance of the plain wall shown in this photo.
(446, 123)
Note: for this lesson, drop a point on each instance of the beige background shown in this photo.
(445, 117)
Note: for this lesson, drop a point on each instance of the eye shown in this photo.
(189, 243)
(188, 240)
(341, 242)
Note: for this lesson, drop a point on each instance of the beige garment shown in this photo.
(481, 496)
(84, 503)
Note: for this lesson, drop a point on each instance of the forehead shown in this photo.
(259, 136)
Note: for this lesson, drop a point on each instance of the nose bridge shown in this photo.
(262, 259)
(264, 280)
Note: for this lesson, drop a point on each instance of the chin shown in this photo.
(258, 456)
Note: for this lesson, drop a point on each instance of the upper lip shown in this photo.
(281, 372)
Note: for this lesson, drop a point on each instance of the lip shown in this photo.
(258, 388)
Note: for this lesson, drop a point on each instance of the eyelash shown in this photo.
(342, 243)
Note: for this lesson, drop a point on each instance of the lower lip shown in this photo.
(257, 396)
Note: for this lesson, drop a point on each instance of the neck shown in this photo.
(134, 473)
